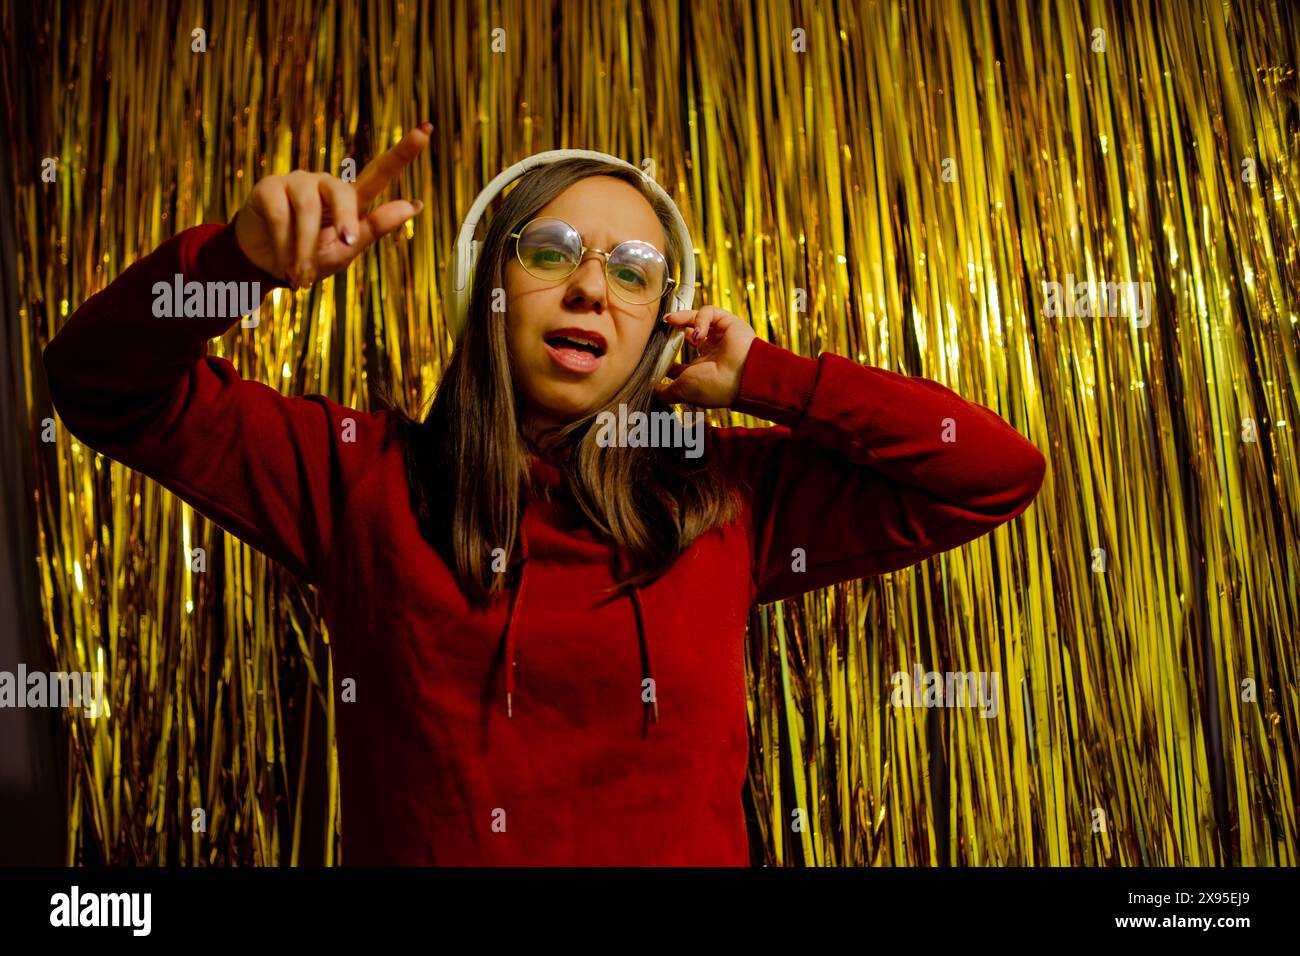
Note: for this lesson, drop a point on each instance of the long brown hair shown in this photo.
(467, 462)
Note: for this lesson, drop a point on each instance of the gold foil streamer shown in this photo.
(1123, 735)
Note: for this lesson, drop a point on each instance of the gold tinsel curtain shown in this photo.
(892, 182)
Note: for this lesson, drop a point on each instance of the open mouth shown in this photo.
(575, 350)
(568, 342)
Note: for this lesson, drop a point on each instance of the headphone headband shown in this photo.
(467, 247)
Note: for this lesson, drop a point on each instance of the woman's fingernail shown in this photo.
(347, 237)
(419, 205)
(426, 127)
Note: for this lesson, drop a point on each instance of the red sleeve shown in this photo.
(270, 469)
(857, 473)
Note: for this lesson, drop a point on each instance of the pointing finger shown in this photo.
(383, 169)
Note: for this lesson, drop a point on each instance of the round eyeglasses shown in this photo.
(552, 250)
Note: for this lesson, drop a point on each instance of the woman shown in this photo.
(538, 633)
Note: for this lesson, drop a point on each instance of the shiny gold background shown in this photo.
(817, 170)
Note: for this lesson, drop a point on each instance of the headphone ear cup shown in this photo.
(671, 348)
(467, 270)
(462, 277)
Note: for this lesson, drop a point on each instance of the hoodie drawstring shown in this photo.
(651, 707)
(647, 673)
(510, 619)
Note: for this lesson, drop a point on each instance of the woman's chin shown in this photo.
(567, 405)
(557, 415)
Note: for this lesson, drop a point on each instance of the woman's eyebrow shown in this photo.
(609, 243)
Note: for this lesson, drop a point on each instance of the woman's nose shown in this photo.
(589, 280)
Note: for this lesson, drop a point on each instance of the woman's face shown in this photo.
(605, 211)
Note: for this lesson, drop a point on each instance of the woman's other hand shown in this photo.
(712, 379)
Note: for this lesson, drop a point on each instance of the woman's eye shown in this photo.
(548, 256)
(631, 277)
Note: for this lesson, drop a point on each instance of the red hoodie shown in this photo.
(434, 770)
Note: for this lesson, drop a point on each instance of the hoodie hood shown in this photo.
(548, 474)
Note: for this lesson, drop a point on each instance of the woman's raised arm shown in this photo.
(130, 375)
(865, 470)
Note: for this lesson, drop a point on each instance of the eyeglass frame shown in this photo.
(669, 281)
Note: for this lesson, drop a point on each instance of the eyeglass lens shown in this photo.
(550, 249)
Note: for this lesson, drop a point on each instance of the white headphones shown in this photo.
(467, 247)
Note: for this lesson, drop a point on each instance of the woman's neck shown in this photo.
(537, 428)
(534, 439)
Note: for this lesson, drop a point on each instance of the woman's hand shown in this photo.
(712, 380)
(304, 226)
